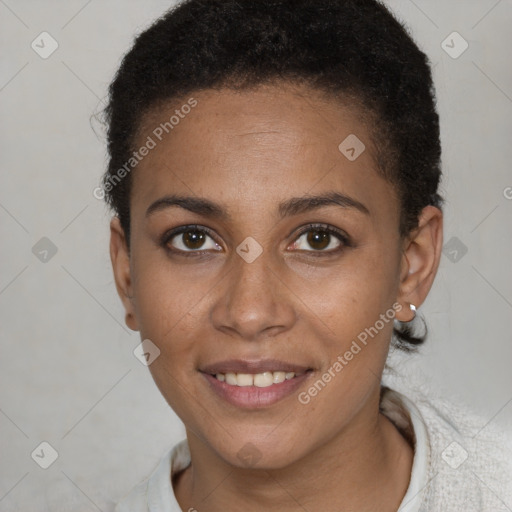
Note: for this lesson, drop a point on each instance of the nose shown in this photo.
(254, 302)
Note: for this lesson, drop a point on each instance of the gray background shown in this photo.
(68, 374)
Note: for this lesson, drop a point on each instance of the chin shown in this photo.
(258, 452)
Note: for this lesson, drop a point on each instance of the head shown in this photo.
(274, 171)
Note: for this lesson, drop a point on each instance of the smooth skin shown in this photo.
(302, 300)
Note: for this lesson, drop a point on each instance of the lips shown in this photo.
(254, 383)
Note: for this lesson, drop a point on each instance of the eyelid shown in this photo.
(171, 233)
(338, 233)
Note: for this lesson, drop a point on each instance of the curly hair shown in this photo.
(346, 48)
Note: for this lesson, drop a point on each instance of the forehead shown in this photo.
(257, 145)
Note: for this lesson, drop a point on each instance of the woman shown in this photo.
(274, 171)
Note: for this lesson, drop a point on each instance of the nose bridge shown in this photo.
(252, 301)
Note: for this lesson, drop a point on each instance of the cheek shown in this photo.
(355, 303)
(360, 322)
(169, 302)
(169, 309)
(350, 296)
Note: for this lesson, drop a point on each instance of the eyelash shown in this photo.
(326, 228)
(169, 235)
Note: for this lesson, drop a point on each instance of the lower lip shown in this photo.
(253, 397)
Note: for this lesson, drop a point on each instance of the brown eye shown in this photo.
(321, 239)
(189, 239)
(318, 239)
(193, 239)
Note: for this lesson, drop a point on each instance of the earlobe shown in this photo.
(120, 258)
(420, 261)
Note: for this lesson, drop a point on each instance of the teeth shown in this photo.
(278, 377)
(263, 380)
(244, 379)
(260, 380)
(231, 379)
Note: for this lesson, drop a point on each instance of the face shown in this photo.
(235, 270)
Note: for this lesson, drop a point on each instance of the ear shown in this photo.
(420, 261)
(120, 258)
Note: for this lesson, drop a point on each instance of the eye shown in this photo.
(322, 238)
(189, 239)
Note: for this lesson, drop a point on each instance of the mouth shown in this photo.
(254, 384)
(260, 380)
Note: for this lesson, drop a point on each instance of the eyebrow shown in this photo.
(290, 207)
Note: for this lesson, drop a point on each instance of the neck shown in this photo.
(367, 466)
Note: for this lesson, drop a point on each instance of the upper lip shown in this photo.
(253, 366)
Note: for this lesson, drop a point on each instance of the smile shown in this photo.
(254, 384)
(260, 380)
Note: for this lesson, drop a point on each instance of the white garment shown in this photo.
(458, 465)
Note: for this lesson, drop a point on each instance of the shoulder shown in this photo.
(470, 456)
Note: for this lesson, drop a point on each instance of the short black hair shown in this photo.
(346, 48)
